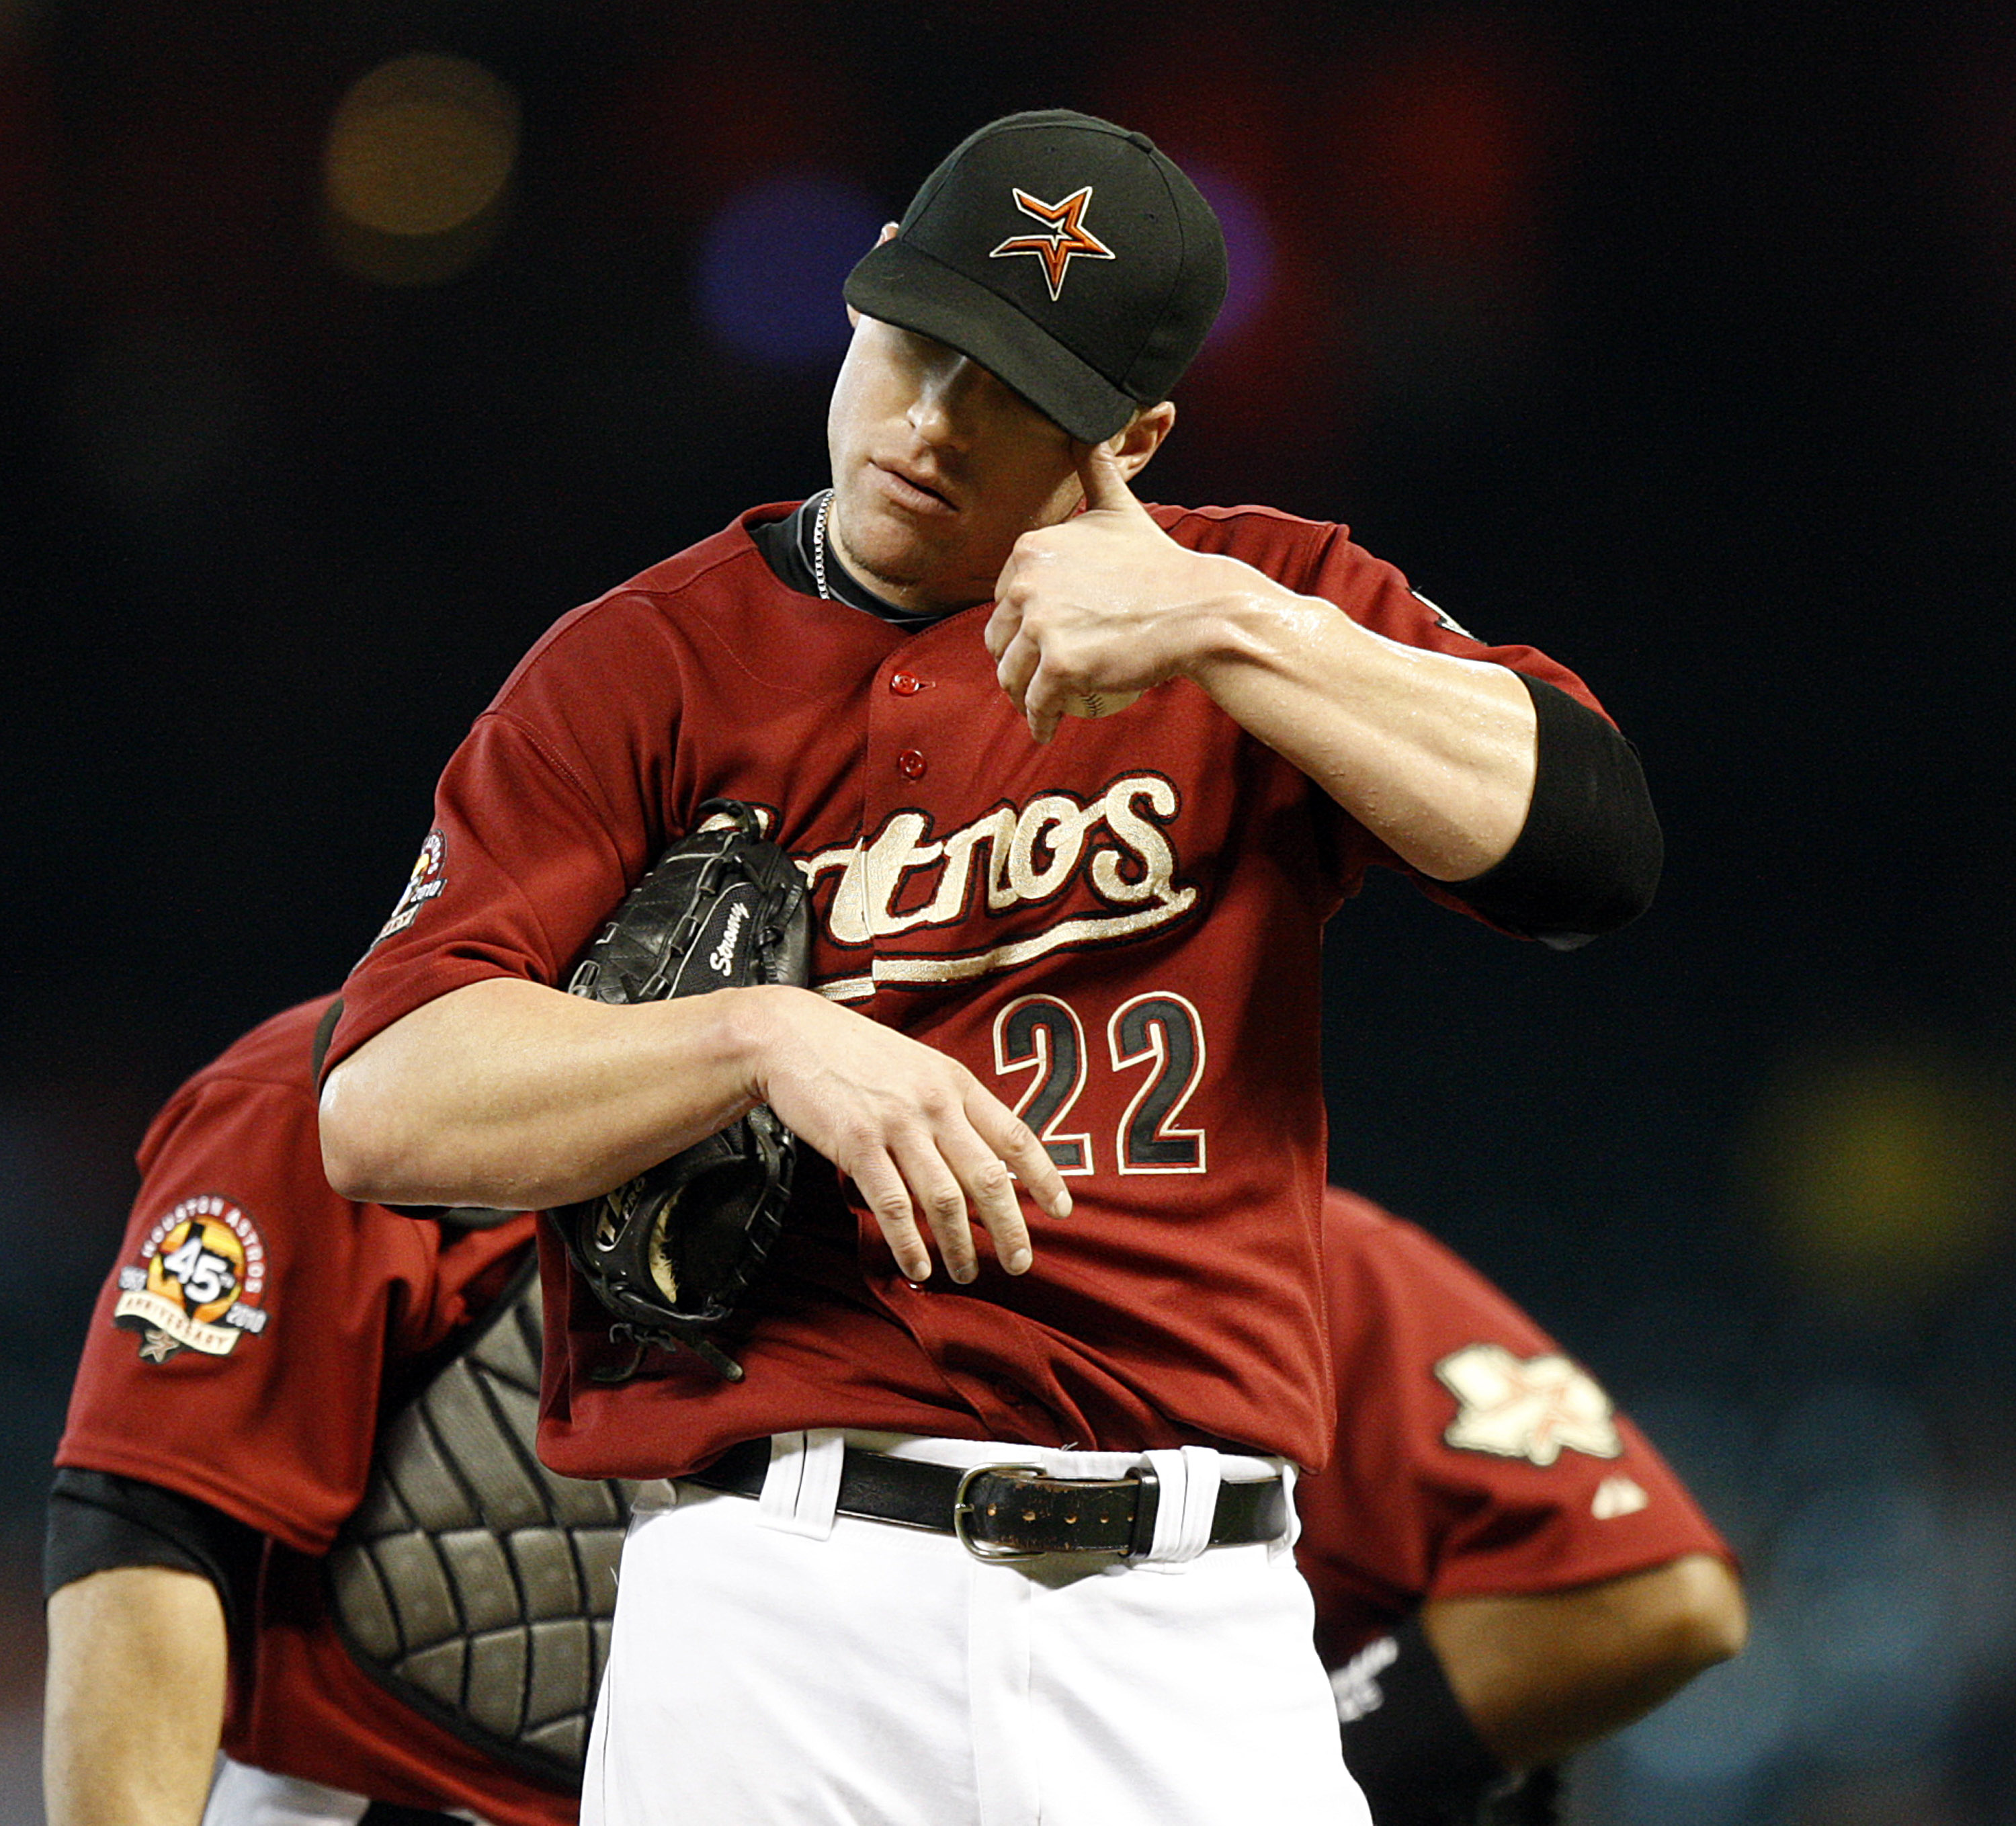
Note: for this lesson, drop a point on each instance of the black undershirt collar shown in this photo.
(786, 546)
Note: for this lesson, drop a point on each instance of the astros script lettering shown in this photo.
(902, 879)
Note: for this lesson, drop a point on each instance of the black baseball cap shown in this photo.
(1067, 256)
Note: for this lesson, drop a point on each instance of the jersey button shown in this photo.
(905, 684)
(910, 764)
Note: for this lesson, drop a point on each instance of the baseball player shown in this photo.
(1435, 1513)
(1075, 784)
(254, 1332)
(1504, 1569)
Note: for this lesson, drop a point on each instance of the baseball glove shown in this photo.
(670, 1253)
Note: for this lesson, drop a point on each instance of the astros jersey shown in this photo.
(256, 1327)
(1118, 932)
(1473, 1456)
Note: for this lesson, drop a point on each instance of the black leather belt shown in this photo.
(1011, 1512)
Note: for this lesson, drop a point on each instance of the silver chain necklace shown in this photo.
(818, 547)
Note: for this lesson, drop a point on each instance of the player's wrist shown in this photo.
(743, 1032)
(1246, 623)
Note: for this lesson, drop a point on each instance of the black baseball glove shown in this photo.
(670, 1253)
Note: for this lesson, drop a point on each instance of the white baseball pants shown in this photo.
(774, 1665)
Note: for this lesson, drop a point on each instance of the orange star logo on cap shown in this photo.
(1068, 235)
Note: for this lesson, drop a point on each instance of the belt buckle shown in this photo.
(961, 1508)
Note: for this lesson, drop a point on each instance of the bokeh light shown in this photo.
(1886, 1173)
(416, 168)
(1452, 140)
(1249, 251)
(772, 263)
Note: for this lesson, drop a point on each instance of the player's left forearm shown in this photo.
(1434, 753)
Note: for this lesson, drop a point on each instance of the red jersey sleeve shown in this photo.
(246, 1292)
(1318, 559)
(523, 858)
(1473, 1456)
(567, 786)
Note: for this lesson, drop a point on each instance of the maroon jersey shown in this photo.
(241, 1352)
(1472, 1457)
(1119, 931)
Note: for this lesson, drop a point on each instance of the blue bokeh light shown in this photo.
(772, 262)
(1249, 250)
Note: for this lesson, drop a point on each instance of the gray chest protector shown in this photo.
(472, 1584)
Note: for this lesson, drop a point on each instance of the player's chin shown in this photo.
(932, 557)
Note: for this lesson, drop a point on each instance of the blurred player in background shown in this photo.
(1503, 1568)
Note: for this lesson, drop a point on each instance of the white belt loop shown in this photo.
(1284, 1542)
(1188, 1500)
(803, 1484)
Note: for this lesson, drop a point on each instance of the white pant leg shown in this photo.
(1192, 1694)
(758, 1675)
(764, 1676)
(241, 1795)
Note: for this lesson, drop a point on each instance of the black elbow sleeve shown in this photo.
(1588, 859)
(98, 1520)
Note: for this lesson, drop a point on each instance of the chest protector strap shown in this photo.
(472, 1584)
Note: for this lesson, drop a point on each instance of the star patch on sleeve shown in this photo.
(1533, 1408)
(1617, 1496)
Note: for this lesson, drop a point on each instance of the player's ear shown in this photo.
(888, 232)
(1141, 438)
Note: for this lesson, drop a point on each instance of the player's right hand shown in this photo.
(1104, 604)
(919, 1135)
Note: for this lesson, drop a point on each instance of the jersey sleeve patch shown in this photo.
(200, 1283)
(427, 880)
(1533, 1408)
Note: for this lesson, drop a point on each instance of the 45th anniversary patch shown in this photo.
(201, 1276)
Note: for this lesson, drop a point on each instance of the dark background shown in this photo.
(1675, 341)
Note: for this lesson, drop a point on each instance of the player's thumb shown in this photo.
(1105, 481)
